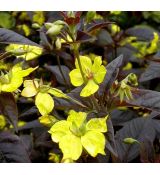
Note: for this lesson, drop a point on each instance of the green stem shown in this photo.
(76, 53)
(60, 69)
(93, 100)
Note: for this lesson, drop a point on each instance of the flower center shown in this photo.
(89, 75)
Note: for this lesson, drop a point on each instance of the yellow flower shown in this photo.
(43, 99)
(14, 78)
(76, 134)
(94, 75)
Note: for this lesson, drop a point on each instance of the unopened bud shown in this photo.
(59, 22)
(132, 79)
(36, 26)
(67, 161)
(48, 25)
(54, 30)
(58, 44)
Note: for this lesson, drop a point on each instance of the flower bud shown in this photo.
(59, 22)
(67, 160)
(54, 30)
(132, 79)
(48, 25)
(36, 26)
(58, 44)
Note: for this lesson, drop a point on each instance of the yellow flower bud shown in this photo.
(36, 26)
(2, 122)
(48, 25)
(58, 44)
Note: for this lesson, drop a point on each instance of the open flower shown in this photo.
(93, 74)
(76, 133)
(43, 99)
(14, 78)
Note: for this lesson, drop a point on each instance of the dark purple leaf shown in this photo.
(111, 139)
(121, 117)
(152, 71)
(111, 75)
(142, 33)
(83, 37)
(33, 110)
(139, 129)
(147, 153)
(81, 103)
(56, 71)
(31, 125)
(146, 99)
(98, 26)
(12, 149)
(11, 37)
(8, 108)
(104, 38)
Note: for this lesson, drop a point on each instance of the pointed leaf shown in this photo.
(12, 149)
(8, 108)
(139, 129)
(8, 37)
(151, 72)
(145, 99)
(55, 70)
(112, 72)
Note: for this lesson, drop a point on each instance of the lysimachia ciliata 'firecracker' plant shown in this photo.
(78, 95)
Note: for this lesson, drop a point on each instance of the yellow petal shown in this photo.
(76, 78)
(97, 124)
(14, 84)
(31, 83)
(71, 147)
(29, 92)
(31, 88)
(89, 89)
(77, 117)
(97, 63)
(44, 103)
(100, 74)
(94, 143)
(47, 120)
(86, 64)
(59, 129)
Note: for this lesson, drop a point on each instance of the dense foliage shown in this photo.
(79, 86)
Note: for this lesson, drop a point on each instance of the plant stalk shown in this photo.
(60, 69)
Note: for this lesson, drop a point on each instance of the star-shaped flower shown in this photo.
(76, 133)
(14, 78)
(93, 74)
(43, 99)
